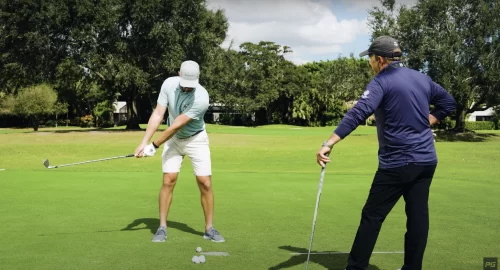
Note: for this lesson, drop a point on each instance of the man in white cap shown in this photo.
(187, 101)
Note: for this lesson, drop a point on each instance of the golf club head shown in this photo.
(47, 165)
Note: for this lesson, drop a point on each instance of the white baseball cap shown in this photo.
(190, 74)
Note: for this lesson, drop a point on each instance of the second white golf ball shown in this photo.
(198, 249)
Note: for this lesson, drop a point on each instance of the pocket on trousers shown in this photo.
(201, 139)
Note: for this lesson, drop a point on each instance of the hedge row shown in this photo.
(481, 125)
(472, 125)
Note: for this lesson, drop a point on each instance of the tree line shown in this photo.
(75, 58)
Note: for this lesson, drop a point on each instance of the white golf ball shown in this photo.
(195, 259)
(198, 249)
(202, 258)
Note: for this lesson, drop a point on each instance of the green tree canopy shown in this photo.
(35, 102)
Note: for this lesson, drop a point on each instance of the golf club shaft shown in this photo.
(320, 187)
(96, 160)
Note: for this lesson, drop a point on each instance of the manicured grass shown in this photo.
(102, 215)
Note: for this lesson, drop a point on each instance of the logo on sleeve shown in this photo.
(365, 94)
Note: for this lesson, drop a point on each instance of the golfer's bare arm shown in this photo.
(334, 139)
(178, 123)
(154, 122)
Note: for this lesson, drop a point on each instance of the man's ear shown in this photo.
(381, 59)
(179, 73)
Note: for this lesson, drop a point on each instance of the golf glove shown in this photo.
(149, 150)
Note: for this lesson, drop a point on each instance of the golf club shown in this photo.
(316, 213)
(47, 164)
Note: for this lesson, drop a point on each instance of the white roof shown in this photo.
(487, 112)
(119, 105)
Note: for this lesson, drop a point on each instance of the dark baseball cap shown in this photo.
(384, 46)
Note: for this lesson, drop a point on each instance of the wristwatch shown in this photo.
(154, 144)
(325, 144)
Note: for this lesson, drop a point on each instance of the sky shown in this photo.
(315, 29)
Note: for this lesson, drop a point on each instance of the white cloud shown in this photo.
(298, 60)
(309, 27)
(364, 5)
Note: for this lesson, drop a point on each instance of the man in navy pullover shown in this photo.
(400, 98)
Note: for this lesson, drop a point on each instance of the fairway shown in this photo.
(265, 179)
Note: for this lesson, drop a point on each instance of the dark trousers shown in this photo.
(412, 182)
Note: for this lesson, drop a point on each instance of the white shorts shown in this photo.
(195, 147)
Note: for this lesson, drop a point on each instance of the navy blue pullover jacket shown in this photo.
(400, 97)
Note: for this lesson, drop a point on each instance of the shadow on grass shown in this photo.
(328, 261)
(70, 130)
(152, 225)
(450, 136)
(101, 130)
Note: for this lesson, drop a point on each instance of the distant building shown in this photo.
(486, 115)
(213, 113)
(120, 113)
(217, 111)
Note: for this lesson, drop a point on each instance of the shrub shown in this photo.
(86, 121)
(480, 125)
